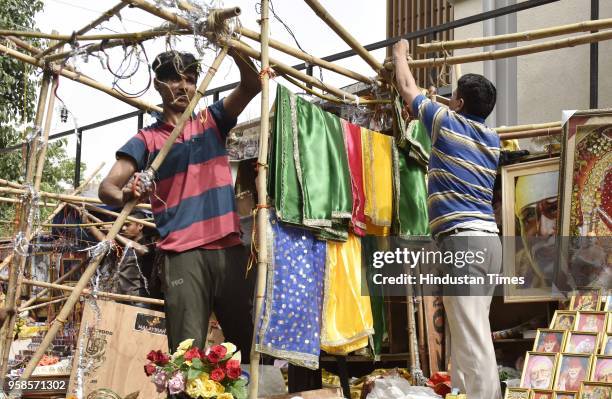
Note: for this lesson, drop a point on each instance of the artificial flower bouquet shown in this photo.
(214, 373)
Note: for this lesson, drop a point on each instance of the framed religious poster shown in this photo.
(595, 390)
(541, 394)
(606, 345)
(585, 214)
(563, 320)
(572, 370)
(551, 341)
(582, 342)
(539, 370)
(601, 370)
(586, 299)
(591, 321)
(517, 393)
(565, 395)
(529, 220)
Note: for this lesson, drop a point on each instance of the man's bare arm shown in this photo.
(406, 85)
(114, 189)
(248, 88)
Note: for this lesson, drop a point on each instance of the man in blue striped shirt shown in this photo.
(461, 174)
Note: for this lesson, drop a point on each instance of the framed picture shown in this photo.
(564, 395)
(595, 390)
(550, 341)
(571, 371)
(529, 219)
(539, 370)
(581, 342)
(588, 299)
(541, 394)
(591, 321)
(606, 344)
(40, 270)
(563, 320)
(609, 328)
(517, 393)
(606, 303)
(601, 371)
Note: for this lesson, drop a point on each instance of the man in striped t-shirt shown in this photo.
(193, 204)
(461, 174)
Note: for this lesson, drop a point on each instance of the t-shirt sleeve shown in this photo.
(135, 149)
(429, 112)
(224, 122)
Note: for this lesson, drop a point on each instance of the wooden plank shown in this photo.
(117, 344)
(434, 325)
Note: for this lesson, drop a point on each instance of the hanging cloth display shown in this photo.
(290, 326)
(377, 181)
(347, 315)
(369, 245)
(352, 138)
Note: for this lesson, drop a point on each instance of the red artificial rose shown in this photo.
(152, 356)
(213, 357)
(158, 357)
(234, 373)
(193, 353)
(163, 359)
(149, 369)
(217, 375)
(232, 364)
(220, 350)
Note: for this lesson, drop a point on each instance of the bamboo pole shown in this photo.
(42, 305)
(67, 225)
(585, 26)
(262, 195)
(45, 133)
(19, 261)
(102, 18)
(86, 291)
(111, 213)
(533, 126)
(306, 57)
(58, 281)
(135, 102)
(344, 34)
(127, 209)
(554, 131)
(16, 201)
(57, 210)
(510, 52)
(63, 197)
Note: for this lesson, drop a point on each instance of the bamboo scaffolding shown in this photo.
(127, 209)
(102, 18)
(63, 197)
(44, 304)
(533, 126)
(57, 210)
(35, 51)
(306, 57)
(67, 225)
(262, 195)
(111, 213)
(58, 281)
(84, 292)
(24, 229)
(529, 35)
(16, 201)
(344, 34)
(135, 102)
(510, 52)
(526, 134)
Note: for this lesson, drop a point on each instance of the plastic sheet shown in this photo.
(398, 388)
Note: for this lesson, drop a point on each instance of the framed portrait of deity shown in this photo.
(601, 370)
(606, 344)
(582, 342)
(517, 393)
(541, 394)
(595, 390)
(585, 210)
(588, 299)
(564, 395)
(563, 320)
(529, 220)
(591, 321)
(572, 370)
(538, 370)
(549, 341)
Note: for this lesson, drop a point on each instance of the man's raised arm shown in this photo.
(406, 84)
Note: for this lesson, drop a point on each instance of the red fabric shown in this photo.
(352, 138)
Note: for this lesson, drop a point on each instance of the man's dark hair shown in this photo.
(173, 64)
(478, 95)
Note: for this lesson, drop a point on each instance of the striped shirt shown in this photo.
(462, 169)
(193, 203)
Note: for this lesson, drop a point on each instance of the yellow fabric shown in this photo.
(510, 145)
(377, 181)
(347, 315)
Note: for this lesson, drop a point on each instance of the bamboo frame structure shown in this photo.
(102, 18)
(16, 201)
(87, 291)
(111, 213)
(261, 183)
(529, 35)
(25, 228)
(127, 209)
(57, 210)
(344, 34)
(510, 52)
(42, 305)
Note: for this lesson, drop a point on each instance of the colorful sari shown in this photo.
(377, 181)
(352, 138)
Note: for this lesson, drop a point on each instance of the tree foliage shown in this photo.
(19, 84)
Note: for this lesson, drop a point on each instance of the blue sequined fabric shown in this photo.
(290, 326)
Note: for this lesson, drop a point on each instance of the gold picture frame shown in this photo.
(516, 393)
(584, 323)
(542, 394)
(606, 340)
(577, 302)
(601, 368)
(557, 322)
(539, 345)
(582, 347)
(564, 379)
(565, 395)
(586, 390)
(514, 251)
(545, 364)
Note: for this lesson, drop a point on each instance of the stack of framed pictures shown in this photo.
(572, 359)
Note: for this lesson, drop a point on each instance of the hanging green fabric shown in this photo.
(283, 184)
(369, 245)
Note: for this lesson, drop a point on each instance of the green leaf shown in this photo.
(193, 374)
(197, 363)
